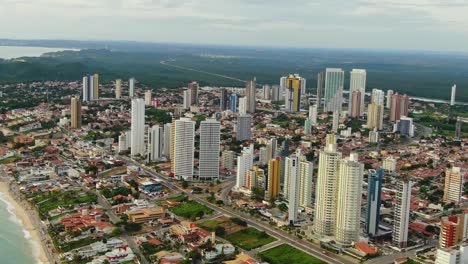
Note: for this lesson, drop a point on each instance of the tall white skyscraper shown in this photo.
(244, 164)
(453, 188)
(243, 106)
(155, 143)
(292, 168)
(349, 200)
(148, 97)
(138, 127)
(306, 170)
(209, 149)
(378, 97)
(167, 140)
(118, 89)
(389, 99)
(187, 98)
(326, 188)
(401, 213)
(357, 83)
(336, 121)
(334, 83)
(454, 93)
(131, 87)
(250, 93)
(184, 148)
(243, 127)
(88, 88)
(313, 112)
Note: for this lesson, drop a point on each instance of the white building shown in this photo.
(167, 140)
(118, 89)
(454, 93)
(209, 149)
(244, 164)
(243, 127)
(155, 143)
(358, 83)
(389, 99)
(292, 169)
(334, 83)
(389, 164)
(313, 112)
(131, 87)
(138, 127)
(187, 98)
(243, 106)
(228, 159)
(349, 196)
(453, 188)
(378, 97)
(455, 255)
(326, 188)
(148, 97)
(336, 121)
(122, 143)
(250, 94)
(401, 213)
(184, 148)
(374, 136)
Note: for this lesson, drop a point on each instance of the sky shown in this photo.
(376, 24)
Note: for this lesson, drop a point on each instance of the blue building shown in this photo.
(374, 200)
(233, 103)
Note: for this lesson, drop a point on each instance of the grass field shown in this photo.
(288, 254)
(191, 210)
(249, 238)
(9, 160)
(50, 201)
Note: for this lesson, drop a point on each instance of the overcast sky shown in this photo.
(379, 24)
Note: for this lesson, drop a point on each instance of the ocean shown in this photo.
(16, 245)
(11, 52)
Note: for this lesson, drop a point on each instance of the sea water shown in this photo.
(11, 52)
(16, 245)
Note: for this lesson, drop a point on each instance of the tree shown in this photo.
(184, 183)
(258, 194)
(220, 231)
(283, 207)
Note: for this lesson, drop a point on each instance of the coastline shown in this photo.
(31, 232)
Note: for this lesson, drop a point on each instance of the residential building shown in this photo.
(223, 99)
(452, 230)
(378, 97)
(357, 84)
(389, 164)
(453, 95)
(404, 126)
(184, 148)
(138, 127)
(295, 88)
(88, 88)
(243, 106)
(349, 193)
(401, 213)
(75, 112)
(118, 89)
(146, 214)
(336, 121)
(209, 149)
(313, 112)
(187, 97)
(244, 164)
(374, 201)
(250, 93)
(333, 95)
(399, 106)
(148, 97)
(306, 170)
(389, 99)
(193, 88)
(453, 188)
(454, 255)
(155, 143)
(167, 140)
(266, 92)
(243, 127)
(131, 87)
(233, 103)
(355, 107)
(320, 87)
(374, 136)
(375, 116)
(275, 93)
(292, 169)
(96, 86)
(227, 159)
(274, 178)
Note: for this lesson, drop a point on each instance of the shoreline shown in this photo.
(31, 232)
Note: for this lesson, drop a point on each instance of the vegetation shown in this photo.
(288, 254)
(191, 210)
(9, 160)
(46, 202)
(158, 115)
(250, 238)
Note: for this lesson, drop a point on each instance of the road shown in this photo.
(391, 258)
(303, 245)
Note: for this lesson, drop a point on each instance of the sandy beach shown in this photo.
(27, 223)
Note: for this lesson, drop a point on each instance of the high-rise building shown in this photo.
(118, 89)
(292, 168)
(123, 143)
(389, 164)
(355, 104)
(374, 201)
(243, 106)
(243, 127)
(336, 121)
(193, 87)
(334, 83)
(375, 116)
(293, 87)
(453, 95)
(401, 213)
(453, 189)
(389, 99)
(452, 229)
(75, 111)
(167, 140)
(209, 149)
(227, 159)
(306, 170)
(313, 113)
(244, 164)
(307, 127)
(131, 87)
(275, 93)
(454, 255)
(184, 148)
(233, 103)
(458, 128)
(374, 136)
(266, 92)
(96, 86)
(320, 87)
(223, 99)
(148, 97)
(251, 178)
(378, 97)
(357, 83)
(88, 88)
(404, 126)
(271, 149)
(326, 189)
(399, 106)
(250, 93)
(138, 127)
(348, 207)
(187, 99)
(155, 143)
(274, 177)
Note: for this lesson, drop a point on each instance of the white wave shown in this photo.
(26, 234)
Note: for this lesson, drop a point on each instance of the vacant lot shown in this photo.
(229, 226)
(250, 238)
(191, 210)
(288, 254)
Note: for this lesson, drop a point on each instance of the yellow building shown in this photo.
(375, 116)
(96, 86)
(274, 172)
(294, 85)
(146, 214)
